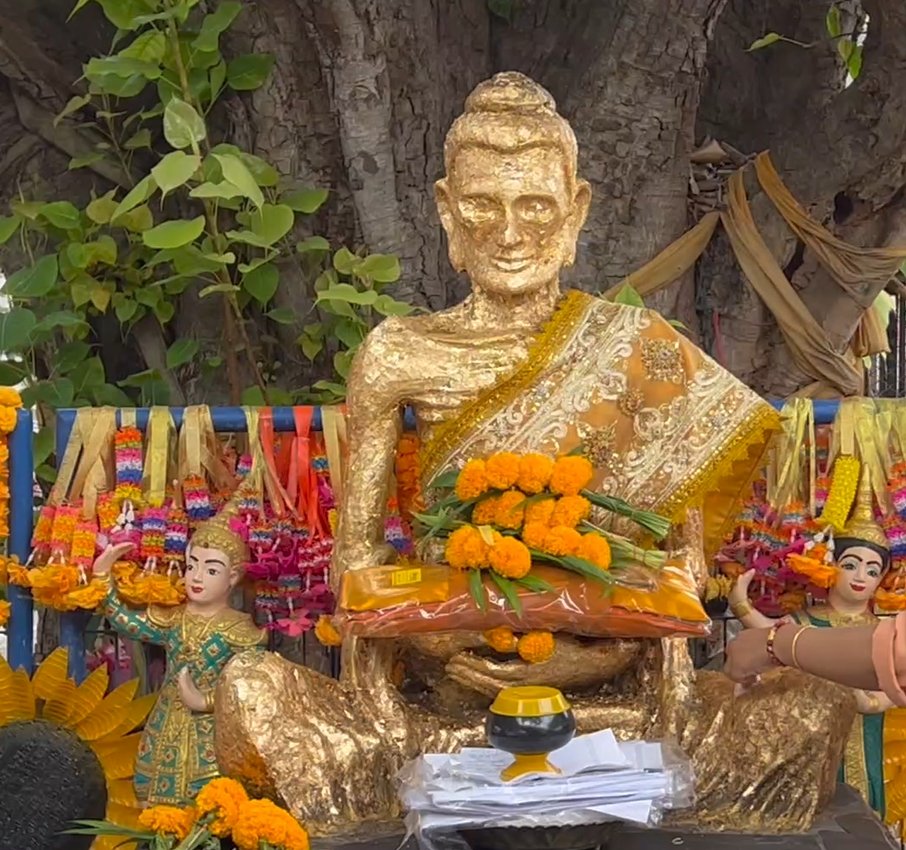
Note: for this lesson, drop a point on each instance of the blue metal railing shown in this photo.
(20, 633)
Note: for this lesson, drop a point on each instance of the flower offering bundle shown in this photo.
(525, 542)
(10, 403)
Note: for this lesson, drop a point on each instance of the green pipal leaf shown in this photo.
(183, 126)
(217, 79)
(9, 225)
(174, 170)
(387, 306)
(85, 161)
(100, 69)
(508, 589)
(282, 316)
(342, 362)
(311, 347)
(125, 308)
(181, 352)
(61, 214)
(313, 243)
(174, 234)
(141, 139)
(348, 294)
(101, 209)
(43, 445)
(223, 190)
(73, 105)
(11, 374)
(261, 283)
(57, 393)
(149, 46)
(833, 21)
(215, 24)
(86, 376)
(139, 193)
(34, 281)
(306, 201)
(381, 268)
(218, 287)
(765, 41)
(253, 397)
(70, 355)
(271, 223)
(477, 590)
(345, 262)
(235, 171)
(629, 296)
(248, 72)
(127, 14)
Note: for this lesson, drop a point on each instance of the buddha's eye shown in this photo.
(478, 210)
(849, 566)
(874, 572)
(536, 209)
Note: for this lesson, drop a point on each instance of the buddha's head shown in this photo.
(511, 203)
(216, 559)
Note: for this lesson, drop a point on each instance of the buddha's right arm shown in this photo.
(373, 427)
(132, 623)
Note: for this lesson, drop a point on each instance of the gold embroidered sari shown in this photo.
(670, 430)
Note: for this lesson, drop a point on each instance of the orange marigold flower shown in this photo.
(540, 511)
(168, 820)
(221, 798)
(10, 398)
(536, 647)
(5, 609)
(466, 549)
(571, 474)
(534, 535)
(510, 558)
(485, 511)
(595, 549)
(570, 511)
(562, 540)
(8, 420)
(510, 509)
(89, 596)
(326, 632)
(501, 640)
(534, 473)
(472, 480)
(263, 821)
(502, 470)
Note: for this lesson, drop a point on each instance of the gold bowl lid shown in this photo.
(529, 701)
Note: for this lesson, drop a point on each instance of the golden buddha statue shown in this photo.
(521, 366)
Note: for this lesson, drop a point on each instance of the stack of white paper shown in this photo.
(600, 780)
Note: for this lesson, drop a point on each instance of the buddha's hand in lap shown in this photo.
(575, 664)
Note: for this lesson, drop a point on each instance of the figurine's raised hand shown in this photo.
(105, 561)
(192, 697)
(740, 591)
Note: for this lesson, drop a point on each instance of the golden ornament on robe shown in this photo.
(519, 367)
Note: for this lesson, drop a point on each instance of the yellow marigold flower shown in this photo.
(510, 510)
(89, 596)
(326, 632)
(536, 647)
(501, 640)
(485, 511)
(221, 798)
(502, 469)
(8, 419)
(18, 575)
(10, 398)
(540, 511)
(595, 549)
(571, 474)
(263, 821)
(472, 480)
(534, 473)
(168, 820)
(466, 549)
(510, 558)
(534, 535)
(570, 511)
(562, 540)
(5, 609)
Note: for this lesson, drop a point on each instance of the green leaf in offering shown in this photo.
(477, 590)
(654, 523)
(534, 584)
(509, 591)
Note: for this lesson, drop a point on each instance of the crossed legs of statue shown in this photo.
(764, 761)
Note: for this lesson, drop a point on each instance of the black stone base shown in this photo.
(847, 824)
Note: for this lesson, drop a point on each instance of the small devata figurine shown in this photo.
(861, 557)
(176, 755)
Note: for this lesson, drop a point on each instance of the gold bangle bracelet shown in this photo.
(793, 657)
(741, 609)
(209, 702)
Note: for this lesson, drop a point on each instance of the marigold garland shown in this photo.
(10, 402)
(844, 484)
(5, 609)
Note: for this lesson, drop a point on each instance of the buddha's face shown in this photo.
(859, 573)
(210, 577)
(512, 219)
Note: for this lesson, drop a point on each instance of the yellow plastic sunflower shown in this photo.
(105, 722)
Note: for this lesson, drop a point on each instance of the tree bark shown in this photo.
(363, 93)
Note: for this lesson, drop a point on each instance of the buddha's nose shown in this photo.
(509, 233)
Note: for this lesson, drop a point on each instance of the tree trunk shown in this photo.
(363, 93)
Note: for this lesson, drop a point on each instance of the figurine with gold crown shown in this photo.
(176, 754)
(851, 565)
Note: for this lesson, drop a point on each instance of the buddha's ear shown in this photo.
(448, 219)
(577, 216)
(236, 574)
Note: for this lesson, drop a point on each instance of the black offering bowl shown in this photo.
(530, 723)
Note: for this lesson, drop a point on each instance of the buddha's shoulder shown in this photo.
(401, 332)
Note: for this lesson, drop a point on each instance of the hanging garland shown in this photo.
(10, 403)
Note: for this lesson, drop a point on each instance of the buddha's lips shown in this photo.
(858, 588)
(512, 264)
